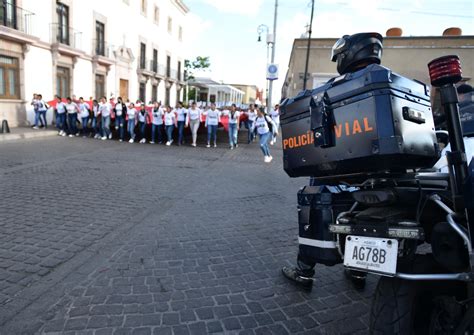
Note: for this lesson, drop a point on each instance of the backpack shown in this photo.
(269, 124)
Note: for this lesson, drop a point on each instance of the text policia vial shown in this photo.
(346, 129)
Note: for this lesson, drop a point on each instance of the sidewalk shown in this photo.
(18, 133)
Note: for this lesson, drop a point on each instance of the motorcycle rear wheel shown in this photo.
(413, 307)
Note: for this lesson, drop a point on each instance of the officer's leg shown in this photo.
(303, 273)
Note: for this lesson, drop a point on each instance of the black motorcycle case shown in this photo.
(372, 120)
(318, 207)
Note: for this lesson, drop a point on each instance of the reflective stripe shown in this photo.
(317, 243)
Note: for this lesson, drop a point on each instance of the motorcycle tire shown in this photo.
(393, 307)
(406, 307)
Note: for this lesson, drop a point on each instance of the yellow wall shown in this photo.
(250, 93)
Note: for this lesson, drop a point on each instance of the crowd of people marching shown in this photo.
(131, 120)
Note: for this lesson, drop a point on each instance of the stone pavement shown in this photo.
(116, 238)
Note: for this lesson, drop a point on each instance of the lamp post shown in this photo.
(260, 30)
(271, 38)
(309, 46)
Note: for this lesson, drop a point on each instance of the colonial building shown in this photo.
(406, 55)
(128, 48)
(208, 90)
(250, 93)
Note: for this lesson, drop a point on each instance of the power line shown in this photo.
(419, 12)
(439, 14)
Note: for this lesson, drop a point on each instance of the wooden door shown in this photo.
(124, 89)
(63, 82)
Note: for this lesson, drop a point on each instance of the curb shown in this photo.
(27, 135)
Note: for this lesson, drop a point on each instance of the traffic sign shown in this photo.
(272, 71)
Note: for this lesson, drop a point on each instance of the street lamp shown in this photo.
(260, 30)
(309, 46)
(270, 41)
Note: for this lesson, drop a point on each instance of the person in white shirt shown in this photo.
(72, 110)
(42, 109)
(234, 116)
(466, 114)
(213, 118)
(84, 114)
(60, 116)
(275, 114)
(262, 123)
(157, 123)
(252, 115)
(96, 119)
(193, 119)
(35, 104)
(442, 163)
(142, 121)
(132, 119)
(170, 123)
(120, 111)
(104, 109)
(181, 114)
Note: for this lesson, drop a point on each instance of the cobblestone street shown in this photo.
(112, 238)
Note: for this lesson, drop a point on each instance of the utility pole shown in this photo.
(309, 46)
(270, 89)
(267, 81)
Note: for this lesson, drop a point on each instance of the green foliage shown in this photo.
(200, 64)
(191, 93)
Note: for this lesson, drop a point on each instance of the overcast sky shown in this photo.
(226, 30)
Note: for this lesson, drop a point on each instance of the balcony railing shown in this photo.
(161, 70)
(174, 74)
(100, 48)
(155, 67)
(15, 17)
(66, 35)
(143, 64)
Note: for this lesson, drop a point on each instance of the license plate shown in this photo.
(371, 254)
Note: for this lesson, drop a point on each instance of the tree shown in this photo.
(200, 64)
(191, 93)
(190, 67)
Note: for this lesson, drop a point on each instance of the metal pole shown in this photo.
(309, 45)
(270, 89)
(186, 97)
(268, 81)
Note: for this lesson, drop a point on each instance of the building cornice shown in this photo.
(461, 37)
(181, 6)
(17, 36)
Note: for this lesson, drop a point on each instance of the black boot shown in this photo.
(294, 275)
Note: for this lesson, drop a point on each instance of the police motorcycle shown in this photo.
(368, 141)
